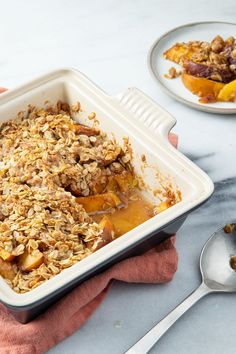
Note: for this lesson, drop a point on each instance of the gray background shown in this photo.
(108, 41)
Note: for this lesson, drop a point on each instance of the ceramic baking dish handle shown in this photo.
(143, 108)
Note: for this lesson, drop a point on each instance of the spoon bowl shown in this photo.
(215, 267)
(217, 276)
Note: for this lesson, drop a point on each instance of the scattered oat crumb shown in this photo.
(172, 73)
(233, 262)
(76, 107)
(229, 228)
(143, 158)
(92, 115)
(63, 106)
(157, 192)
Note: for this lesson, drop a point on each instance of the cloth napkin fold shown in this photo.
(65, 317)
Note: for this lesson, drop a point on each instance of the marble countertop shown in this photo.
(108, 40)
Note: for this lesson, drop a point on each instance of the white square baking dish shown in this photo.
(147, 125)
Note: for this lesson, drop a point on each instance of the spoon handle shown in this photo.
(148, 340)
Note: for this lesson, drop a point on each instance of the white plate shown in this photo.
(159, 66)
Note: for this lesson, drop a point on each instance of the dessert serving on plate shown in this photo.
(208, 68)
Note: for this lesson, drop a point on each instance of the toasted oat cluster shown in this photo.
(172, 73)
(47, 163)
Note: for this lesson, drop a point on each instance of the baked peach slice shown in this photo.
(111, 184)
(228, 92)
(29, 261)
(99, 202)
(5, 255)
(200, 86)
(178, 52)
(7, 269)
(125, 181)
(107, 235)
(162, 206)
(108, 232)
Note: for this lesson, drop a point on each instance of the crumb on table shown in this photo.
(229, 228)
(233, 262)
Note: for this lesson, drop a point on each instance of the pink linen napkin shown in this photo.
(155, 266)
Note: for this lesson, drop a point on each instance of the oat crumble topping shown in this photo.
(46, 161)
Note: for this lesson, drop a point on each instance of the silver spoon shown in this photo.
(217, 276)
